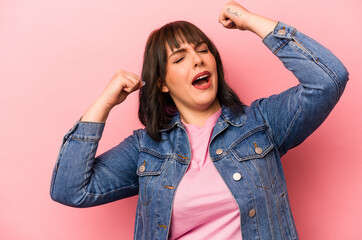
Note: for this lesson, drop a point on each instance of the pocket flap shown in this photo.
(149, 165)
(253, 146)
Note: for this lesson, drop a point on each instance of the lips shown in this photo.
(201, 77)
(202, 80)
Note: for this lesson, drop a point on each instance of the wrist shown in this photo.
(97, 112)
(260, 25)
(103, 104)
(248, 21)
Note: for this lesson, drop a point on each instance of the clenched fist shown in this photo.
(121, 85)
(233, 15)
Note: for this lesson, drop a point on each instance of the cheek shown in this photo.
(175, 75)
(212, 61)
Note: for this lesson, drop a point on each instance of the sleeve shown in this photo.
(82, 180)
(295, 113)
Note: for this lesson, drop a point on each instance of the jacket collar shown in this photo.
(227, 116)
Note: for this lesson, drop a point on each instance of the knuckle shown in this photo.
(121, 72)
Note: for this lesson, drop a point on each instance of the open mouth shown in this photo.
(201, 79)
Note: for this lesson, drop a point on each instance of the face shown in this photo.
(191, 77)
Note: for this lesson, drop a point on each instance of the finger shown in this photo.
(222, 17)
(134, 78)
(230, 24)
(128, 85)
(225, 20)
(141, 82)
(134, 75)
(227, 23)
(133, 83)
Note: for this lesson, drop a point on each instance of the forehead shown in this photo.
(181, 38)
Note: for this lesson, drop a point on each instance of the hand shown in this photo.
(121, 85)
(234, 16)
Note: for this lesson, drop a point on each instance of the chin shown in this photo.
(210, 103)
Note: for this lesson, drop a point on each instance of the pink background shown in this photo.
(56, 57)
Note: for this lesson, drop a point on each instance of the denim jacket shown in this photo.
(249, 144)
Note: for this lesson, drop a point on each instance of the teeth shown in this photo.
(201, 77)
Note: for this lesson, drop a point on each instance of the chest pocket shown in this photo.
(253, 153)
(149, 169)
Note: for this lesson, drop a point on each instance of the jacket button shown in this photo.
(237, 176)
(252, 213)
(142, 168)
(281, 32)
(258, 150)
(219, 151)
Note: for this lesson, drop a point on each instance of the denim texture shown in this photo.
(252, 144)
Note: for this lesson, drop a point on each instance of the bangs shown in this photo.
(177, 33)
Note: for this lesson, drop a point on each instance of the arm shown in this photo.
(82, 180)
(294, 114)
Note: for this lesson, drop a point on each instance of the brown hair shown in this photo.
(156, 108)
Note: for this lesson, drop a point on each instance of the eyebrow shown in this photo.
(180, 50)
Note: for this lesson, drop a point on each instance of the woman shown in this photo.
(222, 157)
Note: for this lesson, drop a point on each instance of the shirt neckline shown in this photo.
(210, 121)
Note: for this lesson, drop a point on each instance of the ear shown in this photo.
(163, 87)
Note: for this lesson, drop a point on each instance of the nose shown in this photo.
(198, 60)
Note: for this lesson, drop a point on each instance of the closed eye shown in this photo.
(178, 60)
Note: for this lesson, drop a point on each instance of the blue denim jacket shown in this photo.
(249, 144)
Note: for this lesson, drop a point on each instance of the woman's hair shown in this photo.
(156, 108)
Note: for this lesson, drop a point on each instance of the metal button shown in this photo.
(258, 150)
(219, 151)
(282, 32)
(252, 213)
(237, 176)
(142, 168)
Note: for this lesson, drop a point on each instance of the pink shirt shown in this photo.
(204, 207)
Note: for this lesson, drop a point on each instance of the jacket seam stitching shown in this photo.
(248, 134)
(86, 171)
(86, 140)
(320, 64)
(106, 193)
(286, 42)
(333, 76)
(154, 153)
(290, 126)
(62, 149)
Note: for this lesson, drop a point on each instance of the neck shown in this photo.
(198, 117)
